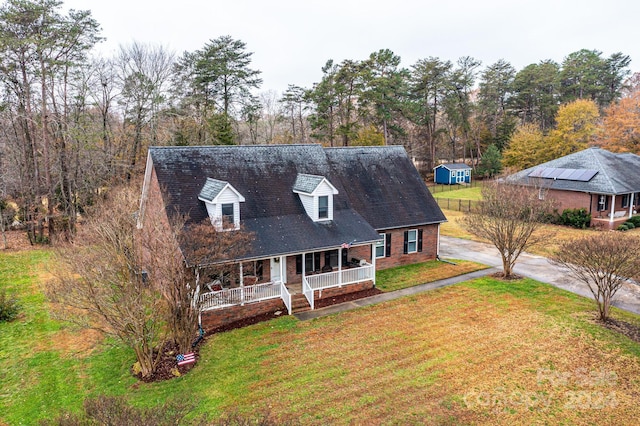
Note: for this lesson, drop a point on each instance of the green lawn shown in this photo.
(420, 273)
(465, 193)
(481, 352)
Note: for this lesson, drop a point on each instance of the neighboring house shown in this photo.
(323, 219)
(452, 173)
(605, 183)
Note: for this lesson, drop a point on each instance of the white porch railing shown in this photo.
(307, 291)
(336, 279)
(285, 296)
(343, 277)
(242, 295)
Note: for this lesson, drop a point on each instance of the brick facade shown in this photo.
(398, 258)
(218, 317)
(575, 200)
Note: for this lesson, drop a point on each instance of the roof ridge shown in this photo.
(233, 146)
(602, 169)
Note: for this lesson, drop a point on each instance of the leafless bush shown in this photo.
(603, 261)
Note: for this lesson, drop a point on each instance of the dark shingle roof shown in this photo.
(617, 173)
(378, 188)
(384, 186)
(454, 166)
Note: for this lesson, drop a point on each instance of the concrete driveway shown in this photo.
(537, 267)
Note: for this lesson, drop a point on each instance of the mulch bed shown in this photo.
(500, 276)
(319, 303)
(168, 366)
(328, 301)
(630, 330)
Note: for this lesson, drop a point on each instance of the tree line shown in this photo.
(74, 124)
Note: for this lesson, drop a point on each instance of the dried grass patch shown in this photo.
(76, 343)
(450, 354)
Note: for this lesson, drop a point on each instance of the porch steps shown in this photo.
(299, 303)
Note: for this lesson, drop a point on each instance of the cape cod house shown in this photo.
(607, 184)
(322, 219)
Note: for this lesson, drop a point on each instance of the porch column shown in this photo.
(631, 201)
(304, 266)
(373, 262)
(613, 207)
(283, 270)
(340, 266)
(241, 286)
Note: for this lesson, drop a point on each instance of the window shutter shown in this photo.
(406, 242)
(316, 261)
(419, 239)
(327, 258)
(345, 257)
(299, 264)
(387, 249)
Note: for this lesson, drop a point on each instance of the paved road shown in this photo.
(536, 267)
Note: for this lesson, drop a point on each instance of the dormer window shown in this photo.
(316, 194)
(228, 218)
(323, 207)
(223, 204)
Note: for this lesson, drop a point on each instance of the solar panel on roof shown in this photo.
(587, 175)
(579, 175)
(565, 174)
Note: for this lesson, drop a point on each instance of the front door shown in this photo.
(276, 271)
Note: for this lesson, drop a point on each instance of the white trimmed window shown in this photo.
(228, 216)
(380, 246)
(412, 241)
(323, 207)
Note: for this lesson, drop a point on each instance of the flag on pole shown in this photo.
(346, 245)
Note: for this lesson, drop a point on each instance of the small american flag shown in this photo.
(186, 358)
(346, 245)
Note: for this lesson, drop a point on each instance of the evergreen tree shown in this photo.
(491, 162)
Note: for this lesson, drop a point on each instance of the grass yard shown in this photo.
(465, 193)
(481, 352)
(420, 273)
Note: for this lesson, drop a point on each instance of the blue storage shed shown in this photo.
(452, 173)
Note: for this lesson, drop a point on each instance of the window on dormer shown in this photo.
(228, 216)
(323, 207)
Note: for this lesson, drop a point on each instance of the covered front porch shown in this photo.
(291, 276)
(613, 210)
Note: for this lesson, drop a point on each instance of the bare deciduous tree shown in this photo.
(603, 261)
(510, 218)
(177, 278)
(100, 283)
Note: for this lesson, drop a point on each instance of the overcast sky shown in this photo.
(293, 39)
